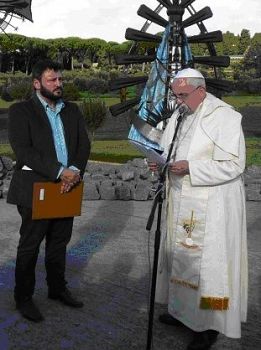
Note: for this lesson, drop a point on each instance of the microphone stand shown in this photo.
(158, 201)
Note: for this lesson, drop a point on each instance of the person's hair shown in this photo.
(197, 82)
(42, 65)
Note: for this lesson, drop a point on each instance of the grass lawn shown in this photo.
(253, 146)
(243, 101)
(120, 151)
(4, 104)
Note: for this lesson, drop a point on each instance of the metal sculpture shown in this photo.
(173, 53)
(14, 9)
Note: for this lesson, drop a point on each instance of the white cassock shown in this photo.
(202, 271)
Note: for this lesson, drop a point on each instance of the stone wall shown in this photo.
(130, 181)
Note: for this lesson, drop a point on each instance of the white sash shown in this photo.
(191, 219)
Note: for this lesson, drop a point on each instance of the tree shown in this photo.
(23, 50)
(82, 51)
(96, 48)
(76, 48)
(252, 59)
(244, 41)
(32, 49)
(94, 112)
(230, 44)
(110, 49)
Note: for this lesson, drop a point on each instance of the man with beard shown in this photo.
(50, 143)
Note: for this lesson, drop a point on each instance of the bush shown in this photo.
(115, 74)
(71, 92)
(94, 112)
(5, 95)
(20, 91)
(252, 86)
(97, 86)
(80, 83)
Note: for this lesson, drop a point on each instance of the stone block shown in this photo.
(9, 175)
(141, 173)
(98, 178)
(5, 187)
(109, 170)
(107, 190)
(251, 180)
(86, 177)
(125, 166)
(90, 191)
(113, 177)
(139, 162)
(123, 192)
(254, 187)
(7, 162)
(254, 171)
(145, 175)
(253, 195)
(127, 175)
(94, 168)
(142, 191)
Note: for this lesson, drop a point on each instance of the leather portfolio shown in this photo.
(50, 203)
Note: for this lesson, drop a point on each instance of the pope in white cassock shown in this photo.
(202, 269)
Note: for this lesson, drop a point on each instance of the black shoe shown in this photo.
(29, 310)
(66, 298)
(170, 320)
(203, 340)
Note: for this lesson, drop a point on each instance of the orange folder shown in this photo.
(50, 203)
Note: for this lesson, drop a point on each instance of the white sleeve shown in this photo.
(212, 172)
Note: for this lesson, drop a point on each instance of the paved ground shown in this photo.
(108, 268)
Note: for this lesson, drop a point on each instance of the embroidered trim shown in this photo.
(212, 303)
(189, 246)
(184, 283)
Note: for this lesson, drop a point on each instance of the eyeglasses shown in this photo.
(185, 95)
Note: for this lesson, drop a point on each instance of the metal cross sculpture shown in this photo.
(172, 53)
(14, 9)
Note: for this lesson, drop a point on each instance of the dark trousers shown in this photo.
(57, 233)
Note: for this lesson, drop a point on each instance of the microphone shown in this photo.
(183, 110)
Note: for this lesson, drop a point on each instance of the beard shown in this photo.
(50, 95)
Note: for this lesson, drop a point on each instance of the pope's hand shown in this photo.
(153, 166)
(179, 168)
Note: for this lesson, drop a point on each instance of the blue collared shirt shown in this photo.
(57, 129)
(58, 132)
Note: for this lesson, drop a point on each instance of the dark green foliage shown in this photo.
(5, 95)
(98, 86)
(244, 41)
(95, 85)
(71, 92)
(251, 86)
(20, 91)
(80, 83)
(94, 112)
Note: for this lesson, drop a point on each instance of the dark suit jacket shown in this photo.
(31, 138)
